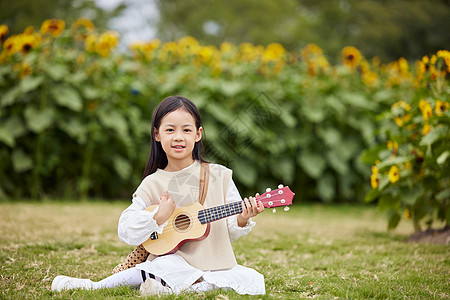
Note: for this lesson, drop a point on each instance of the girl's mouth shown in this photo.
(178, 148)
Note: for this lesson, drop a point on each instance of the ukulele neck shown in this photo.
(219, 212)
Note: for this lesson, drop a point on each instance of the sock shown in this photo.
(131, 277)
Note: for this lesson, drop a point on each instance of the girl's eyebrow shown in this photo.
(172, 125)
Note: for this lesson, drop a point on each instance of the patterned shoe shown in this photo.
(153, 287)
(69, 283)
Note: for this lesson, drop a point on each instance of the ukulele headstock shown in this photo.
(280, 197)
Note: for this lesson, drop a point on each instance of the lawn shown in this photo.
(311, 251)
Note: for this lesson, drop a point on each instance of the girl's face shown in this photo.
(178, 135)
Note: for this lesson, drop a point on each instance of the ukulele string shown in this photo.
(172, 225)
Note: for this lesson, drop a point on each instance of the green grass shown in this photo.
(311, 251)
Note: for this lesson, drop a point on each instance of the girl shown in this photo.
(172, 177)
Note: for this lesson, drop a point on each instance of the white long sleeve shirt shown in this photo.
(136, 224)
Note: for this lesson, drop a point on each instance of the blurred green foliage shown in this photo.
(75, 115)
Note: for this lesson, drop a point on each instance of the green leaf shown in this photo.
(15, 126)
(337, 163)
(7, 137)
(330, 136)
(434, 135)
(326, 188)
(10, 96)
(444, 194)
(122, 167)
(21, 161)
(75, 129)
(372, 195)
(114, 120)
(394, 218)
(231, 88)
(56, 71)
(430, 182)
(38, 120)
(411, 195)
(285, 168)
(388, 201)
(91, 92)
(12, 128)
(358, 100)
(30, 83)
(398, 160)
(313, 114)
(443, 157)
(369, 156)
(348, 148)
(245, 172)
(67, 96)
(313, 164)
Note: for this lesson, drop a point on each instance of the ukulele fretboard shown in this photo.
(219, 212)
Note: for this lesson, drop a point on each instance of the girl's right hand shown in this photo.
(166, 208)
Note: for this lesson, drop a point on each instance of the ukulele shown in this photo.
(191, 222)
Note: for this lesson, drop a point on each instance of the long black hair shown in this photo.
(157, 158)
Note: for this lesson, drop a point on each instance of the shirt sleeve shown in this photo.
(136, 224)
(234, 230)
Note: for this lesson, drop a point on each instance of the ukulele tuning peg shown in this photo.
(268, 190)
(286, 208)
(280, 186)
(274, 210)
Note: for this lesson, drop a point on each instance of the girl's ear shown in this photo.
(157, 138)
(199, 134)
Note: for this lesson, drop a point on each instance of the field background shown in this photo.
(335, 251)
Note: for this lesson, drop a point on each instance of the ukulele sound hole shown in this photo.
(182, 222)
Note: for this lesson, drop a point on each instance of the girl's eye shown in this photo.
(187, 130)
(169, 130)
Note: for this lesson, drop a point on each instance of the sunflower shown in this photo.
(310, 51)
(10, 45)
(53, 27)
(394, 174)
(426, 109)
(188, 45)
(106, 42)
(400, 110)
(351, 57)
(89, 43)
(441, 107)
(27, 42)
(226, 47)
(374, 181)
(274, 51)
(206, 53)
(426, 128)
(3, 33)
(82, 28)
(445, 54)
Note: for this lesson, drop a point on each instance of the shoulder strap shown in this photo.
(204, 179)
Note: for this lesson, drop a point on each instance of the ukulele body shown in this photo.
(183, 226)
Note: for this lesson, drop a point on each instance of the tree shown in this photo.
(20, 14)
(388, 29)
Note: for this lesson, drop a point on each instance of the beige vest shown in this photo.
(215, 251)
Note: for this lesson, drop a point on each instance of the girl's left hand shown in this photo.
(249, 209)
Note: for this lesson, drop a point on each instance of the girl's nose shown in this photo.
(178, 136)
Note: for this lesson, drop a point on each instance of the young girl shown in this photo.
(171, 179)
